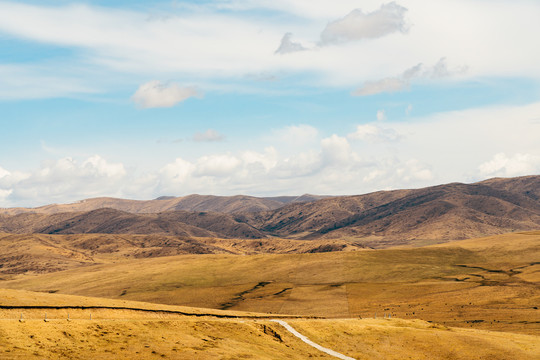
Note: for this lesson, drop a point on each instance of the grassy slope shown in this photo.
(121, 334)
(489, 283)
(413, 339)
(254, 339)
(41, 253)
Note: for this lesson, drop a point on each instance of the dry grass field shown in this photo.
(488, 283)
(117, 333)
(210, 338)
(43, 253)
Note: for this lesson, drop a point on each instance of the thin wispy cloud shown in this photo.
(404, 81)
(209, 135)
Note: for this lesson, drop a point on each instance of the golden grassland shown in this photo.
(117, 333)
(415, 339)
(44, 253)
(211, 338)
(488, 283)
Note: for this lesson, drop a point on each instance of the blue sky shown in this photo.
(141, 99)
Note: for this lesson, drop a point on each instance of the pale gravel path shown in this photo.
(309, 342)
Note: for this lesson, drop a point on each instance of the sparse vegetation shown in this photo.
(493, 279)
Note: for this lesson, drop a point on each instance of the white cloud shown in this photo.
(374, 133)
(288, 46)
(4, 172)
(178, 171)
(4, 193)
(381, 115)
(385, 85)
(217, 165)
(266, 160)
(392, 171)
(128, 47)
(358, 25)
(508, 166)
(65, 179)
(209, 135)
(335, 150)
(408, 109)
(403, 81)
(155, 94)
(440, 148)
(97, 166)
(296, 134)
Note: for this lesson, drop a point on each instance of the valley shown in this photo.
(446, 272)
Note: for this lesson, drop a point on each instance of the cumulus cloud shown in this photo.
(209, 135)
(4, 172)
(288, 46)
(156, 94)
(4, 193)
(404, 80)
(63, 180)
(374, 133)
(392, 171)
(508, 166)
(265, 160)
(335, 150)
(178, 171)
(296, 134)
(217, 165)
(333, 162)
(357, 25)
(98, 167)
(375, 156)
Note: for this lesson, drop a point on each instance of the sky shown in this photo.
(141, 99)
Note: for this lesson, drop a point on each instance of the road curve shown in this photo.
(309, 342)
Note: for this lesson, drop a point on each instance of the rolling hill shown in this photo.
(381, 219)
(486, 283)
(210, 203)
(44, 253)
(439, 213)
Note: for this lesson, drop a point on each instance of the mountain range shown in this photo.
(380, 219)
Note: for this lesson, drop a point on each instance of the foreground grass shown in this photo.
(96, 328)
(415, 339)
(209, 338)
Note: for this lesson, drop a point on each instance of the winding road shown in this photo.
(309, 342)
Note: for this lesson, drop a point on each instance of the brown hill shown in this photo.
(111, 221)
(524, 185)
(381, 219)
(439, 213)
(43, 253)
(223, 204)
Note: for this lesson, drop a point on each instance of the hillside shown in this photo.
(117, 329)
(111, 221)
(439, 213)
(44, 253)
(207, 203)
(488, 283)
(386, 218)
